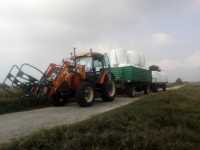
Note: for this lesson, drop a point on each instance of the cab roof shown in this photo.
(89, 54)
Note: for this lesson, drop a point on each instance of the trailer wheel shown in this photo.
(155, 88)
(131, 91)
(109, 91)
(85, 94)
(164, 88)
(58, 100)
(147, 90)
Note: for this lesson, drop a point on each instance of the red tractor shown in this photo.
(88, 76)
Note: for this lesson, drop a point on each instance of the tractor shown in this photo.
(84, 78)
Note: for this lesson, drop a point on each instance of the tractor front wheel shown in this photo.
(58, 100)
(85, 94)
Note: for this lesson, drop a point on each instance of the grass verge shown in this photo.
(168, 121)
(15, 102)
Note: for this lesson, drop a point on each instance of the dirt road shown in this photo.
(23, 123)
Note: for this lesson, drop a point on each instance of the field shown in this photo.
(163, 121)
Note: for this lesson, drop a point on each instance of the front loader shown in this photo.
(84, 78)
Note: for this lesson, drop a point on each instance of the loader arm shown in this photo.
(62, 76)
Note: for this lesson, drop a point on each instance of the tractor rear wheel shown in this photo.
(58, 100)
(109, 91)
(85, 94)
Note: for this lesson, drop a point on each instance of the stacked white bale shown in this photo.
(133, 58)
(136, 58)
(142, 60)
(117, 57)
(121, 58)
(113, 58)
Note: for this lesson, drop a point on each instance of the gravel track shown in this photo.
(19, 124)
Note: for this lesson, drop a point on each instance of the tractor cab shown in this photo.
(95, 65)
(98, 78)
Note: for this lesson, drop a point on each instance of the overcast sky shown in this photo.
(44, 31)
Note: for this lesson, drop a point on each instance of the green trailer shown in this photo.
(132, 79)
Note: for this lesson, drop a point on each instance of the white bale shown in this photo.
(118, 57)
(133, 58)
(136, 58)
(113, 58)
(142, 60)
(122, 58)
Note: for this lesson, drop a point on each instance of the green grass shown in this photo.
(15, 102)
(168, 121)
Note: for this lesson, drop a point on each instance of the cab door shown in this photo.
(99, 68)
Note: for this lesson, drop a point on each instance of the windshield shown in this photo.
(85, 61)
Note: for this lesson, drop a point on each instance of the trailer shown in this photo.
(159, 81)
(132, 79)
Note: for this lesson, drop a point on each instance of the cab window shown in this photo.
(85, 61)
(98, 64)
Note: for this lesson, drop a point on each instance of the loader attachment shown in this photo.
(18, 78)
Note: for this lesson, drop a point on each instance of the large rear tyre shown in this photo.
(109, 91)
(58, 100)
(85, 95)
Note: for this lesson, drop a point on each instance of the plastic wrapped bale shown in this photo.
(117, 57)
(136, 58)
